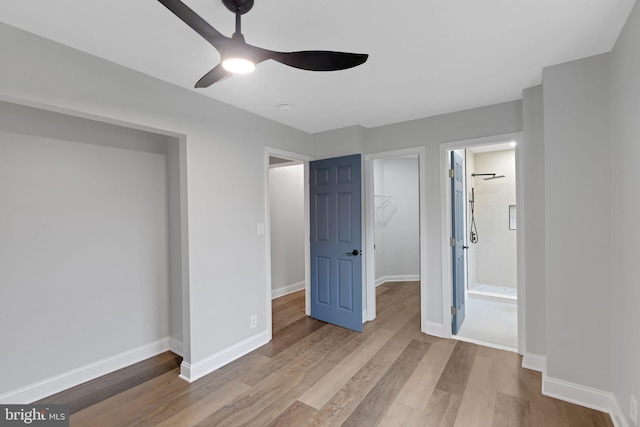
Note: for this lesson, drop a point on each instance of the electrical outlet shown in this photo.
(633, 409)
(253, 321)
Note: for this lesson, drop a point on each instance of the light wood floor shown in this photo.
(317, 374)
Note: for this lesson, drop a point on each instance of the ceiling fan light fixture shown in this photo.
(239, 57)
(238, 65)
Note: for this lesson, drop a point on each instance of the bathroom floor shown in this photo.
(494, 290)
(491, 321)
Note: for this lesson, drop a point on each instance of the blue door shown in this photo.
(457, 242)
(336, 241)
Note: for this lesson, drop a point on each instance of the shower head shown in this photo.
(489, 176)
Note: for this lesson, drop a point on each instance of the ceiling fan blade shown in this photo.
(320, 60)
(198, 24)
(217, 74)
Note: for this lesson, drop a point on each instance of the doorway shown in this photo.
(287, 224)
(369, 285)
(492, 288)
(395, 244)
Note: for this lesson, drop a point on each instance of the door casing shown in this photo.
(369, 293)
(269, 151)
(445, 227)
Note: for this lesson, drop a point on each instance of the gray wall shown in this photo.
(286, 202)
(398, 242)
(625, 202)
(569, 311)
(534, 226)
(225, 173)
(84, 252)
(429, 133)
(578, 221)
(177, 237)
(580, 140)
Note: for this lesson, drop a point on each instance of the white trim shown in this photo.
(367, 314)
(520, 243)
(485, 343)
(267, 235)
(617, 415)
(286, 290)
(74, 377)
(307, 241)
(492, 297)
(534, 362)
(445, 226)
(445, 243)
(369, 284)
(585, 396)
(191, 372)
(369, 260)
(575, 393)
(397, 278)
(434, 329)
(185, 372)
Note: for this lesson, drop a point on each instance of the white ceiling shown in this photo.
(427, 57)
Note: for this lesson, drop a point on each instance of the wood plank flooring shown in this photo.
(317, 374)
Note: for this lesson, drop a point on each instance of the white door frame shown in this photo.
(445, 206)
(269, 151)
(369, 307)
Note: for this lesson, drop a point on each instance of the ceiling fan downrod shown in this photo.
(238, 8)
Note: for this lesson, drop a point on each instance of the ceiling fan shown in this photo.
(240, 57)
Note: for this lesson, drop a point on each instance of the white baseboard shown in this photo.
(588, 397)
(534, 362)
(398, 278)
(617, 415)
(492, 297)
(432, 328)
(286, 290)
(575, 393)
(58, 383)
(191, 372)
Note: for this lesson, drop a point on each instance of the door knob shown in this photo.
(354, 252)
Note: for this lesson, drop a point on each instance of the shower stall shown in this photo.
(491, 239)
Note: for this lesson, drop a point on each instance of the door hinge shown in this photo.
(453, 311)
(452, 241)
(452, 173)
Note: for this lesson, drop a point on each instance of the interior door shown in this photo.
(336, 241)
(457, 242)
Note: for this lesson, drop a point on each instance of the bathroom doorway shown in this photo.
(488, 214)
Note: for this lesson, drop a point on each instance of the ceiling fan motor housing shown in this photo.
(238, 6)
